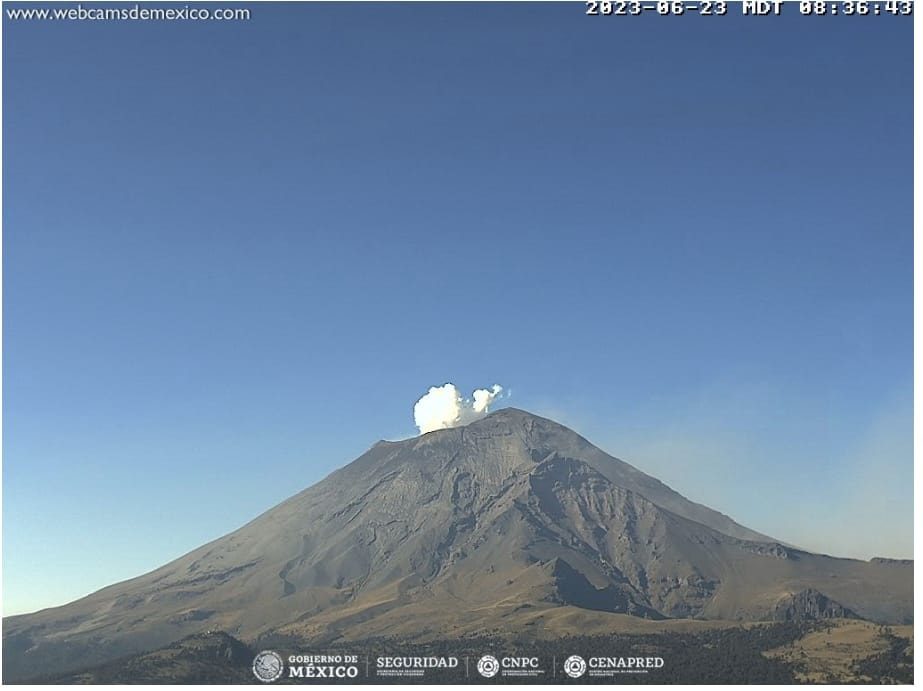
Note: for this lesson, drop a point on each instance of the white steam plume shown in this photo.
(443, 406)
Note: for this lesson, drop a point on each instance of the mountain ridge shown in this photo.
(510, 511)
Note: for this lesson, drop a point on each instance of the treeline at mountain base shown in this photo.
(836, 651)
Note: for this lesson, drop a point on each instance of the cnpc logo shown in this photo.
(488, 665)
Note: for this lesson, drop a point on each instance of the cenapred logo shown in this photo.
(268, 666)
(488, 666)
(574, 666)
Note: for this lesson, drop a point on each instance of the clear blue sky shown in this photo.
(235, 254)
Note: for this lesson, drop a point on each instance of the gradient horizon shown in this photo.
(236, 254)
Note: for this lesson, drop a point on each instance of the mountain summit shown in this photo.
(453, 531)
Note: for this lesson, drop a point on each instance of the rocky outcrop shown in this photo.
(810, 605)
(885, 560)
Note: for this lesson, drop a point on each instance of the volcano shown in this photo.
(511, 522)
